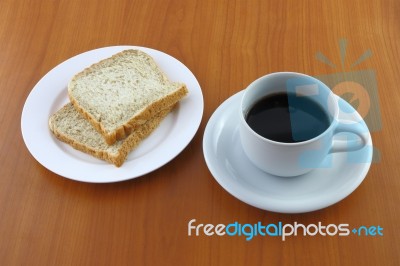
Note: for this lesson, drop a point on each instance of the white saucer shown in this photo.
(167, 141)
(318, 189)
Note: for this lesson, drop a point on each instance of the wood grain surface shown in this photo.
(46, 219)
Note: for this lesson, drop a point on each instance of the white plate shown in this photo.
(169, 139)
(322, 187)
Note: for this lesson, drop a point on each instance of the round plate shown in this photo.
(339, 175)
(166, 142)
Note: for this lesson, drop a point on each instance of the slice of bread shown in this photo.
(119, 93)
(70, 127)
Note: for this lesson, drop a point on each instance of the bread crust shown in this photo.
(131, 142)
(141, 117)
(124, 130)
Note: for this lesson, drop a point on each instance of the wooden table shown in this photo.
(46, 219)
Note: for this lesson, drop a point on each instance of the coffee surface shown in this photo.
(287, 117)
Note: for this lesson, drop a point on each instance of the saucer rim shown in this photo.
(275, 205)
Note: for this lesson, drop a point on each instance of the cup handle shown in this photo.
(353, 145)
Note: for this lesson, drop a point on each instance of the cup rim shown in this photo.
(290, 144)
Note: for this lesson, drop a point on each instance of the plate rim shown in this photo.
(114, 174)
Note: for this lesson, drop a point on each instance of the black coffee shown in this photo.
(286, 117)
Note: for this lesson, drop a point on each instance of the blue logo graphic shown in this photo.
(359, 89)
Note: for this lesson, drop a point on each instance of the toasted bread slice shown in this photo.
(70, 127)
(118, 94)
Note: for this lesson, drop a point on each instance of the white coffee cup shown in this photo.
(290, 159)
